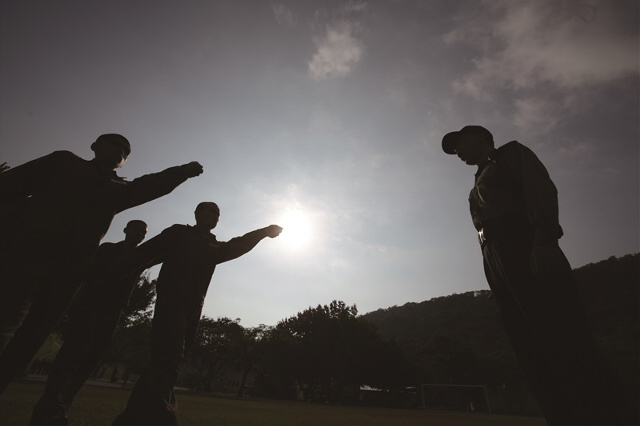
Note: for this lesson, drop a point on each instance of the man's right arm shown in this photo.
(155, 185)
(239, 246)
(146, 255)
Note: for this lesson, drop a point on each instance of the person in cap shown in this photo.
(189, 256)
(93, 319)
(514, 208)
(54, 211)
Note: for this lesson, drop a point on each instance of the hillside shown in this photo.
(468, 326)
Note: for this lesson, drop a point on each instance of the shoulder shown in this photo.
(176, 229)
(106, 249)
(108, 245)
(65, 156)
(511, 147)
(512, 152)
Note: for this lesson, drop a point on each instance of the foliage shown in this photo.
(214, 350)
(141, 301)
(327, 353)
(248, 350)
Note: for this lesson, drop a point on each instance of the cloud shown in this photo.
(535, 114)
(338, 51)
(535, 47)
(284, 16)
(354, 6)
(567, 44)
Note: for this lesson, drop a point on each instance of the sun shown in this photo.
(297, 228)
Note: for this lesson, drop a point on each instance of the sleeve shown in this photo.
(149, 187)
(22, 181)
(539, 191)
(100, 263)
(148, 254)
(239, 246)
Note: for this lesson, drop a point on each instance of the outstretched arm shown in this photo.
(149, 187)
(238, 246)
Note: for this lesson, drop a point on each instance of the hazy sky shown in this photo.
(332, 112)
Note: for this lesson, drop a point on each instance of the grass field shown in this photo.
(99, 405)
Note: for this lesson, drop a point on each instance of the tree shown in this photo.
(212, 352)
(141, 301)
(248, 351)
(326, 353)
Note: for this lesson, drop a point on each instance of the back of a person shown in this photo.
(188, 265)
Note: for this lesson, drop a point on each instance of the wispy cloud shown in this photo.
(530, 42)
(338, 51)
(338, 47)
(531, 46)
(284, 15)
(535, 114)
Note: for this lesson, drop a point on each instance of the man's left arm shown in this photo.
(239, 246)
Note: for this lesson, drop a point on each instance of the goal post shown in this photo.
(462, 398)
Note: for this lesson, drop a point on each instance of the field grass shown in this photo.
(99, 405)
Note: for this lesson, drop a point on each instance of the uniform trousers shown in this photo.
(86, 340)
(153, 400)
(31, 305)
(549, 331)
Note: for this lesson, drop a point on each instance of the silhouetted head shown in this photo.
(207, 214)
(135, 232)
(111, 150)
(472, 144)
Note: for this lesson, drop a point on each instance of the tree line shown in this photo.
(329, 352)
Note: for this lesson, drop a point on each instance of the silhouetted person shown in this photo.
(189, 255)
(4, 167)
(514, 208)
(94, 316)
(54, 211)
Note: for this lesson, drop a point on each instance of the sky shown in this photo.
(326, 117)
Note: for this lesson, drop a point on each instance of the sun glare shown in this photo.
(297, 230)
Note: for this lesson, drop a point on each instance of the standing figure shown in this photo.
(94, 316)
(189, 255)
(53, 213)
(514, 208)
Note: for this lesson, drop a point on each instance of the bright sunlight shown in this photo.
(297, 229)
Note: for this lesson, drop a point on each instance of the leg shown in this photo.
(518, 330)
(550, 335)
(152, 400)
(103, 328)
(51, 409)
(27, 340)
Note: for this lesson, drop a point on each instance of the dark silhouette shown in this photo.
(4, 167)
(514, 208)
(93, 319)
(53, 213)
(189, 255)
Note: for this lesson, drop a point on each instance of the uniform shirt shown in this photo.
(98, 291)
(60, 206)
(513, 183)
(189, 257)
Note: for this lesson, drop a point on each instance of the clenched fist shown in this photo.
(273, 231)
(192, 169)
